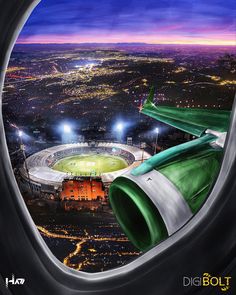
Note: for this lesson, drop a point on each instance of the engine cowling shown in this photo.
(154, 205)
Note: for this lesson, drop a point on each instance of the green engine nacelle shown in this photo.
(156, 199)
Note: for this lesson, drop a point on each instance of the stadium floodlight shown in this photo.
(20, 133)
(156, 130)
(119, 127)
(66, 128)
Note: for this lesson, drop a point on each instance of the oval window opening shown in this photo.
(116, 120)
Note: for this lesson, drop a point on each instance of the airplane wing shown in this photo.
(190, 120)
(210, 126)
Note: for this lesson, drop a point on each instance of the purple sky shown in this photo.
(151, 21)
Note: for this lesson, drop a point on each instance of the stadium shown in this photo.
(79, 171)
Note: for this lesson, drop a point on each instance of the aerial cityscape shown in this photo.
(73, 123)
(82, 84)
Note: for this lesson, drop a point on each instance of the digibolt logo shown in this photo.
(14, 281)
(207, 280)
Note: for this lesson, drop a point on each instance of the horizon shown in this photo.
(124, 43)
(183, 23)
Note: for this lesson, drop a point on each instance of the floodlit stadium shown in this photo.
(90, 164)
(47, 169)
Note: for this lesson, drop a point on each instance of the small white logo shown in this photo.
(13, 281)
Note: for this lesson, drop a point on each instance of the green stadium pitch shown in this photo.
(86, 165)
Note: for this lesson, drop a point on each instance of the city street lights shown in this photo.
(156, 131)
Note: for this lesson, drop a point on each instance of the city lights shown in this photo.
(94, 98)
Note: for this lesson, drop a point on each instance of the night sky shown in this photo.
(150, 21)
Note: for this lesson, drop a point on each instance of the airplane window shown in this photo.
(116, 121)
